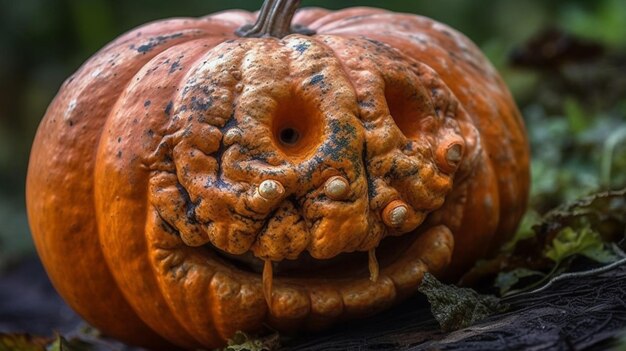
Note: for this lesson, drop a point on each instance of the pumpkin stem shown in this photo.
(274, 21)
(268, 277)
(373, 265)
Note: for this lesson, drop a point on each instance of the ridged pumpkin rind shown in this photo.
(107, 251)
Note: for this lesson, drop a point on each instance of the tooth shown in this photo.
(268, 277)
(395, 213)
(454, 153)
(266, 196)
(337, 188)
(270, 189)
(373, 265)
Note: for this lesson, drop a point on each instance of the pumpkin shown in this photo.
(197, 177)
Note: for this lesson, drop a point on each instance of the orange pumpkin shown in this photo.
(201, 176)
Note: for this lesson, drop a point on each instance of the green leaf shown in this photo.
(74, 344)
(604, 212)
(576, 116)
(242, 342)
(506, 280)
(524, 231)
(585, 241)
(456, 308)
(22, 342)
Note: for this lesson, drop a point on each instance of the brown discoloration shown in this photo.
(180, 144)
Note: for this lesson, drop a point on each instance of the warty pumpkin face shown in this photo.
(188, 182)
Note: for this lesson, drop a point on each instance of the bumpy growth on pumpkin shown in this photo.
(201, 176)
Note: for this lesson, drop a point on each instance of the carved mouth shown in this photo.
(344, 265)
(303, 291)
(345, 282)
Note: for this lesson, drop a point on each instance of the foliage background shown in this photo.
(572, 110)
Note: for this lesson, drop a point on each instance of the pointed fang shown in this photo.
(268, 277)
(373, 265)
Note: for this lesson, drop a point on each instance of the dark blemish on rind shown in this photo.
(366, 104)
(191, 207)
(302, 47)
(394, 172)
(199, 105)
(371, 187)
(119, 139)
(150, 132)
(409, 147)
(119, 154)
(168, 108)
(168, 228)
(155, 42)
(70, 122)
(318, 78)
(230, 123)
(175, 66)
(263, 157)
(147, 103)
(244, 218)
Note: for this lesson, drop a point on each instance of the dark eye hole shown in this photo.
(289, 136)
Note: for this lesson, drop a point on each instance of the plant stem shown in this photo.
(274, 21)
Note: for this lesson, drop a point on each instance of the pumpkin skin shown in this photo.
(147, 186)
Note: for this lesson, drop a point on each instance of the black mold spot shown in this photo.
(199, 105)
(155, 42)
(230, 123)
(409, 147)
(302, 47)
(175, 66)
(366, 104)
(318, 78)
(168, 108)
(147, 103)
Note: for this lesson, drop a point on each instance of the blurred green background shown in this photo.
(570, 84)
